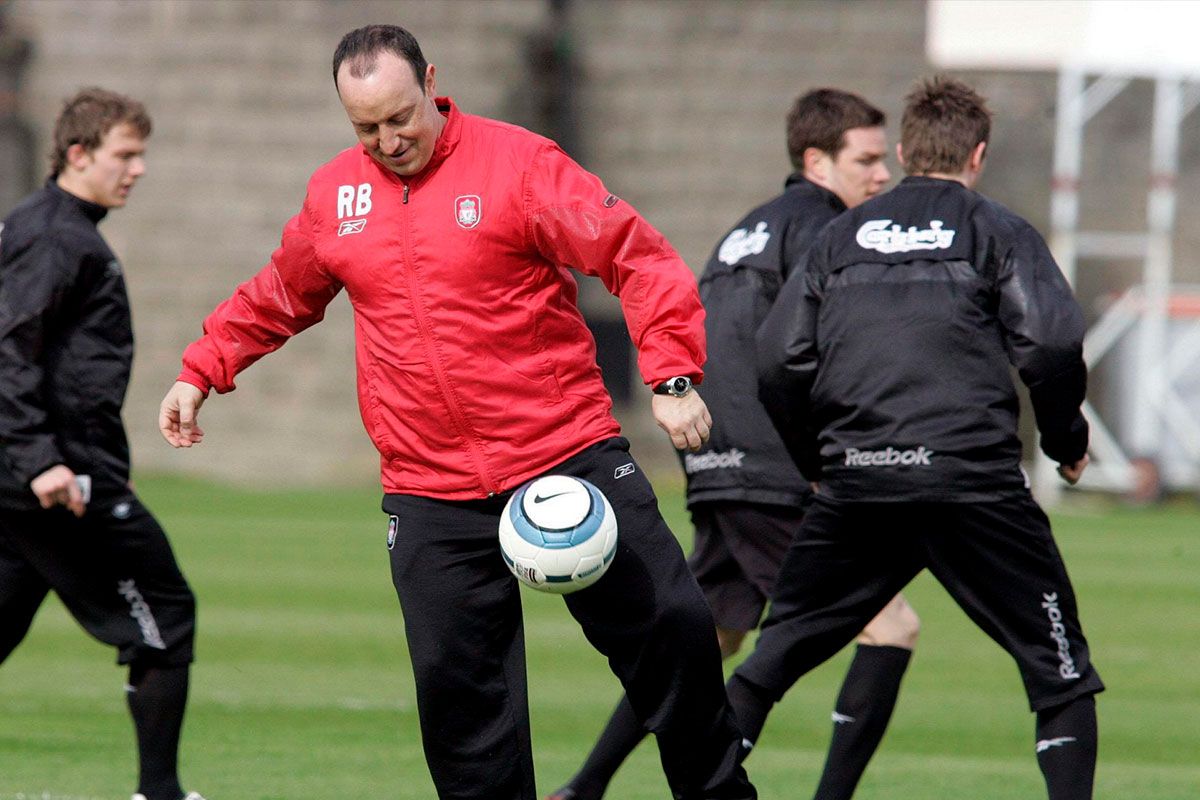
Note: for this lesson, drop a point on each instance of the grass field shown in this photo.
(302, 689)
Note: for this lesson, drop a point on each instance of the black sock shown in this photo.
(751, 705)
(157, 698)
(1066, 748)
(861, 715)
(618, 739)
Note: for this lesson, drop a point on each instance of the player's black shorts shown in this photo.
(114, 571)
(736, 557)
(997, 560)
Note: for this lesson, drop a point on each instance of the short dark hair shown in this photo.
(361, 46)
(944, 121)
(87, 117)
(821, 118)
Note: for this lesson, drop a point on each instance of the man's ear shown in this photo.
(977, 156)
(78, 156)
(816, 164)
(430, 81)
(900, 155)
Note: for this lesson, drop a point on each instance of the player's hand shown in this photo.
(177, 415)
(685, 419)
(1071, 473)
(57, 487)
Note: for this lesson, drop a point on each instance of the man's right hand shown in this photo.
(177, 415)
(57, 487)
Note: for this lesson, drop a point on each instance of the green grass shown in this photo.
(302, 687)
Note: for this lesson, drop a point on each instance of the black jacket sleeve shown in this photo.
(787, 362)
(1044, 330)
(32, 290)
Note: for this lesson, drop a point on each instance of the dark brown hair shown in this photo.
(944, 120)
(821, 118)
(88, 116)
(361, 46)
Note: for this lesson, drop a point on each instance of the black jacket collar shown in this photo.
(798, 181)
(93, 211)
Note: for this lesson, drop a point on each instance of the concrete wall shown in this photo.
(681, 112)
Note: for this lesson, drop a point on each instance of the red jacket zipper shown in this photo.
(460, 420)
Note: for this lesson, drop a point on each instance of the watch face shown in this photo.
(679, 385)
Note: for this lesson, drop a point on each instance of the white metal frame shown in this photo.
(1157, 366)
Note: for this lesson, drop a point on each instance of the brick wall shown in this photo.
(682, 106)
(688, 100)
(244, 110)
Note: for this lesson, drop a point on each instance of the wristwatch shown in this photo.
(676, 387)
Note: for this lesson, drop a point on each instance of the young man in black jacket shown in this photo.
(885, 365)
(746, 496)
(69, 520)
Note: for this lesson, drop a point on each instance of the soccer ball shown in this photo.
(558, 534)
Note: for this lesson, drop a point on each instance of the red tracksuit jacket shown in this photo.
(475, 369)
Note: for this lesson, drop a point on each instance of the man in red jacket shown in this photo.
(452, 235)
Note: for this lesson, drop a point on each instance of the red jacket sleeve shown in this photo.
(572, 220)
(288, 295)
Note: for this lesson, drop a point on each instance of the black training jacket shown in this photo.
(66, 347)
(745, 459)
(885, 362)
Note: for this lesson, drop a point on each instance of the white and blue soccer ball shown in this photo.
(558, 534)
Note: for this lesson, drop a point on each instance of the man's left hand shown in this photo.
(59, 486)
(685, 419)
(1071, 473)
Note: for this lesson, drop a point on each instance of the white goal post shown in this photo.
(1097, 47)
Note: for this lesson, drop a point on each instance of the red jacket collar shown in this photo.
(448, 138)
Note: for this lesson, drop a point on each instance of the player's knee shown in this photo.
(896, 626)
(909, 627)
(908, 621)
(730, 641)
